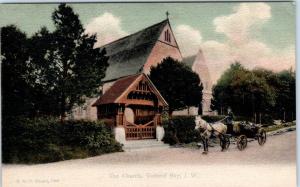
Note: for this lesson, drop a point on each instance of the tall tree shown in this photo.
(69, 67)
(243, 91)
(40, 47)
(15, 70)
(177, 83)
(286, 95)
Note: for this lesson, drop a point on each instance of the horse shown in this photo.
(206, 130)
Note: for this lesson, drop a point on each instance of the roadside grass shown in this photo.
(192, 145)
(280, 126)
(195, 145)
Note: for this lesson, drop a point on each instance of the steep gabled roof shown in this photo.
(189, 61)
(201, 68)
(128, 55)
(117, 90)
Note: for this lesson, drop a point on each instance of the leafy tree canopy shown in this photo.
(15, 70)
(79, 67)
(258, 91)
(177, 83)
(61, 66)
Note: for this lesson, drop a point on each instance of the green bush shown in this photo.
(47, 140)
(212, 119)
(266, 119)
(242, 118)
(185, 127)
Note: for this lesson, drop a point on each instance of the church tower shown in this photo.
(200, 67)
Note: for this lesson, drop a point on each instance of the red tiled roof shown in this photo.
(116, 90)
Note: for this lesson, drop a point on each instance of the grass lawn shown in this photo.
(277, 127)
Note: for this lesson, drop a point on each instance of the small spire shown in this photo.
(167, 14)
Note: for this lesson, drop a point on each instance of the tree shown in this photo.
(15, 69)
(39, 46)
(283, 83)
(289, 78)
(257, 91)
(286, 95)
(68, 68)
(243, 91)
(177, 83)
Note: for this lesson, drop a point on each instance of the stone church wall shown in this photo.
(85, 111)
(159, 52)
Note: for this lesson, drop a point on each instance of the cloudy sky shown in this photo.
(255, 34)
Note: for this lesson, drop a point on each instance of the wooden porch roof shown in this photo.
(115, 93)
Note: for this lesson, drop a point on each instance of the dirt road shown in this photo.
(272, 165)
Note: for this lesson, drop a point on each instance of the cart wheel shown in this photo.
(261, 137)
(225, 143)
(241, 142)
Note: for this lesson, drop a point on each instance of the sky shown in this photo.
(255, 34)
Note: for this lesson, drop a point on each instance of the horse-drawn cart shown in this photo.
(227, 130)
(241, 131)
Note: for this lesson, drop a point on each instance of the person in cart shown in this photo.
(229, 121)
(229, 118)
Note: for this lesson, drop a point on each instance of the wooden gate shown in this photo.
(138, 132)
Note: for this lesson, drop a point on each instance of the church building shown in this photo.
(131, 55)
(200, 67)
(123, 101)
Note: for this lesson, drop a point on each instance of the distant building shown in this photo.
(199, 65)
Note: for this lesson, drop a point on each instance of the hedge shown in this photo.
(212, 119)
(185, 127)
(266, 119)
(43, 140)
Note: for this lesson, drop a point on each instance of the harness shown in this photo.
(213, 129)
(221, 120)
